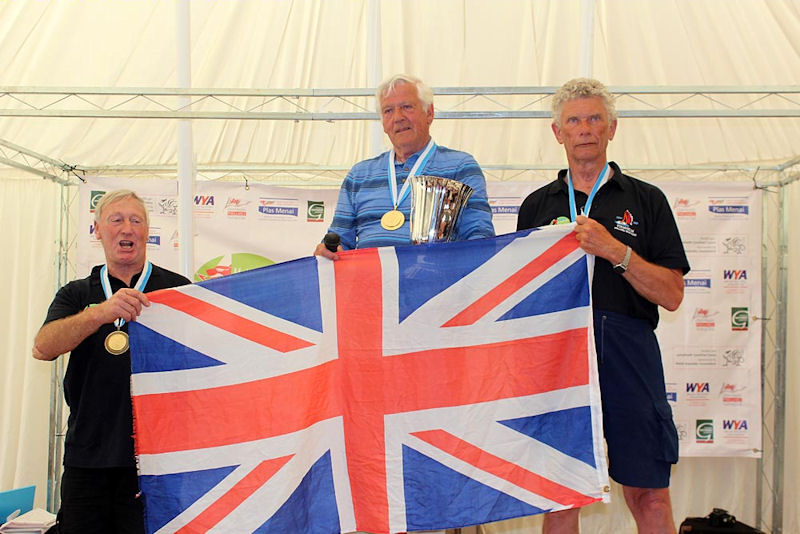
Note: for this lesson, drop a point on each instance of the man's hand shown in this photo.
(321, 250)
(63, 335)
(595, 239)
(659, 285)
(125, 304)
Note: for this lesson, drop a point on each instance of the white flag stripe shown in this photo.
(248, 312)
(269, 498)
(403, 339)
(212, 495)
(489, 274)
(481, 476)
(320, 434)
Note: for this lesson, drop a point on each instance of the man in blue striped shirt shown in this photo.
(374, 201)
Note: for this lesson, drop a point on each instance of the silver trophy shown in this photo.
(436, 204)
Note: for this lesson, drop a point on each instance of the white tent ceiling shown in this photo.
(116, 48)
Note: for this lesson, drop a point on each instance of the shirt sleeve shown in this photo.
(344, 218)
(476, 219)
(66, 303)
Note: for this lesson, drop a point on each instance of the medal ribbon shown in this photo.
(418, 166)
(143, 278)
(603, 178)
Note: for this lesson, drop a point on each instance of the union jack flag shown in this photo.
(396, 389)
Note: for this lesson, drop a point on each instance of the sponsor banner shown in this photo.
(712, 345)
(713, 339)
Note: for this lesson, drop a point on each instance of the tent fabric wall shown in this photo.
(29, 214)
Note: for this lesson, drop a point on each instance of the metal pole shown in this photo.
(780, 363)
(185, 147)
(56, 438)
(374, 70)
(766, 324)
(587, 38)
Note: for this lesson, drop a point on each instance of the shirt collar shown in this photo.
(618, 179)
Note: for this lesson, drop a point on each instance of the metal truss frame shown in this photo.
(358, 103)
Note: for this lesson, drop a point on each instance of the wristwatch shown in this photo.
(622, 266)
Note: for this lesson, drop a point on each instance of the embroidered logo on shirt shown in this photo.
(625, 223)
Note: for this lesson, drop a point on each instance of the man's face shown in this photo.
(404, 120)
(122, 228)
(585, 129)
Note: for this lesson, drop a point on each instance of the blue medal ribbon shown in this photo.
(140, 284)
(603, 178)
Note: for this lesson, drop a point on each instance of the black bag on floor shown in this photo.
(719, 521)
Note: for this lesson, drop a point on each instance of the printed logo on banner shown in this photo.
(734, 280)
(236, 208)
(685, 208)
(626, 224)
(94, 198)
(154, 239)
(672, 392)
(698, 393)
(683, 430)
(229, 264)
(204, 206)
(735, 431)
(728, 207)
(167, 206)
(94, 242)
(740, 319)
(278, 208)
(704, 318)
(731, 394)
(704, 431)
(504, 207)
(734, 245)
(732, 357)
(173, 240)
(687, 357)
(700, 244)
(315, 211)
(698, 281)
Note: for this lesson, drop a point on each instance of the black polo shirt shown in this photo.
(97, 385)
(636, 213)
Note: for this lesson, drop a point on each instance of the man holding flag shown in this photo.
(627, 224)
(88, 318)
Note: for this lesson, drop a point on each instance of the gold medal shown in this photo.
(392, 220)
(117, 342)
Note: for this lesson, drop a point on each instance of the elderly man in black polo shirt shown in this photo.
(88, 317)
(640, 262)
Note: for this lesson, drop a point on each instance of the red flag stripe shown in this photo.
(168, 422)
(235, 324)
(235, 496)
(359, 310)
(483, 373)
(472, 313)
(504, 469)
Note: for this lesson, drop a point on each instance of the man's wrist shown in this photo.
(622, 266)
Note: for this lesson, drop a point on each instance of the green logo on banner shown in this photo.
(740, 319)
(315, 211)
(94, 198)
(704, 431)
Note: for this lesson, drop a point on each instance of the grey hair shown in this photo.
(119, 194)
(424, 92)
(582, 88)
